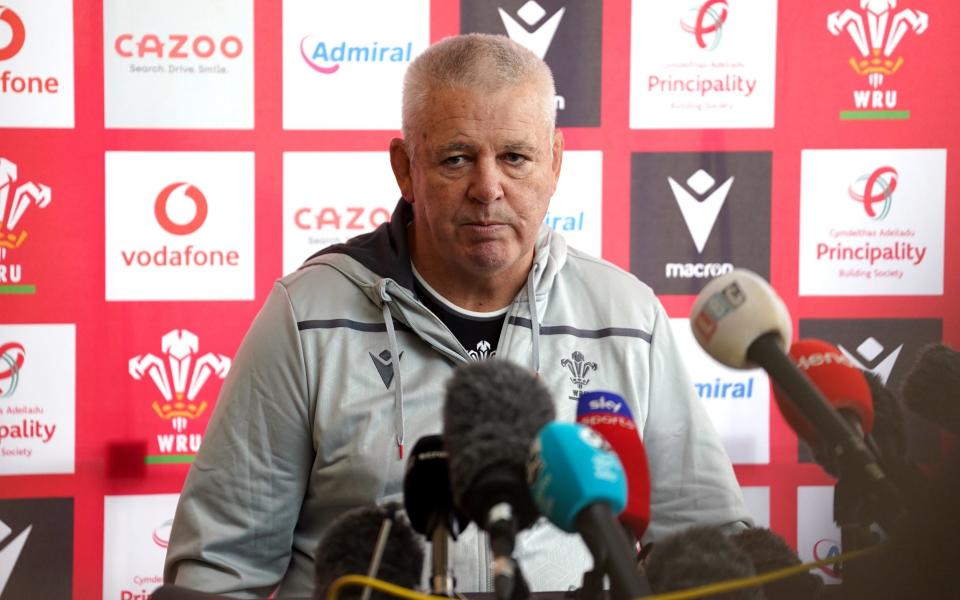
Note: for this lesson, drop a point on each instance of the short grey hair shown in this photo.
(479, 61)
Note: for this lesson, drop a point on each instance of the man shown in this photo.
(344, 366)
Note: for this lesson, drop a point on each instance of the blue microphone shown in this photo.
(578, 483)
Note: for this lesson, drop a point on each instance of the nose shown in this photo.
(486, 183)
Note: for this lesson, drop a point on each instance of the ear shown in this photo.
(557, 154)
(400, 161)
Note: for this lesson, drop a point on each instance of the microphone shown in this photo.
(492, 411)
(741, 322)
(609, 415)
(429, 504)
(931, 387)
(349, 547)
(578, 483)
(699, 556)
(842, 385)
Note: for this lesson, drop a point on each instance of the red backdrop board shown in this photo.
(793, 118)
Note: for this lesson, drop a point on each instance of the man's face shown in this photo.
(484, 169)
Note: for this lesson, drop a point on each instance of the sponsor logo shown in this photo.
(483, 351)
(179, 374)
(327, 57)
(720, 389)
(536, 33)
(827, 548)
(161, 535)
(876, 31)
(871, 356)
(707, 23)
(579, 368)
(351, 218)
(17, 33)
(384, 365)
(565, 222)
(12, 355)
(192, 213)
(697, 216)
(823, 358)
(14, 204)
(11, 553)
(716, 308)
(9, 81)
(865, 191)
(186, 55)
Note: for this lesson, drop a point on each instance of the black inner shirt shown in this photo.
(479, 335)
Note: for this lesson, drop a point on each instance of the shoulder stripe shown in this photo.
(584, 333)
(348, 324)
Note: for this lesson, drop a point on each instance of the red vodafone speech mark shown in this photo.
(19, 33)
(160, 209)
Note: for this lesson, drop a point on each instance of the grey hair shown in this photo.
(479, 61)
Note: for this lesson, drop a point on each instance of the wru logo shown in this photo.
(579, 369)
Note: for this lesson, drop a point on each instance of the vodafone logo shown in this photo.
(17, 33)
(708, 22)
(185, 191)
(878, 190)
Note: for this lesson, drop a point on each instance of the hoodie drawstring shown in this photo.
(397, 378)
(534, 318)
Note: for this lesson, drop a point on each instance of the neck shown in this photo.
(479, 293)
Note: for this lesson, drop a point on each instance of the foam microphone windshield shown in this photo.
(842, 384)
(491, 413)
(426, 489)
(932, 387)
(347, 548)
(609, 415)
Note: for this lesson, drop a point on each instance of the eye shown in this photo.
(514, 158)
(454, 161)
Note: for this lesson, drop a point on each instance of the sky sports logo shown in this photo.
(695, 216)
(326, 57)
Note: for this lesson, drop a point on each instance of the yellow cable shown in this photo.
(333, 592)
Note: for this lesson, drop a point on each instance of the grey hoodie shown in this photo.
(343, 368)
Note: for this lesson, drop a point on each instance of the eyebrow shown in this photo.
(518, 147)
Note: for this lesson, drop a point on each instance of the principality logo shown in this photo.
(876, 31)
(17, 33)
(872, 357)
(191, 193)
(161, 534)
(700, 210)
(875, 188)
(12, 355)
(535, 33)
(708, 20)
(579, 369)
(14, 202)
(179, 374)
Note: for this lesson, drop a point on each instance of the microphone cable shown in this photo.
(720, 587)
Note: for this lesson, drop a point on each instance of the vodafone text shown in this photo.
(10, 83)
(188, 257)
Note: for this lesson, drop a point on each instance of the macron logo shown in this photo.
(537, 39)
(10, 554)
(870, 349)
(700, 214)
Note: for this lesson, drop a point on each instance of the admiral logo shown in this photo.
(719, 388)
(697, 216)
(567, 35)
(825, 549)
(326, 58)
(14, 203)
(12, 355)
(565, 222)
(707, 23)
(178, 375)
(20, 84)
(876, 32)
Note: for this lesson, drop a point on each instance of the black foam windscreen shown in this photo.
(932, 387)
(347, 546)
(889, 426)
(698, 556)
(426, 488)
(770, 552)
(492, 411)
